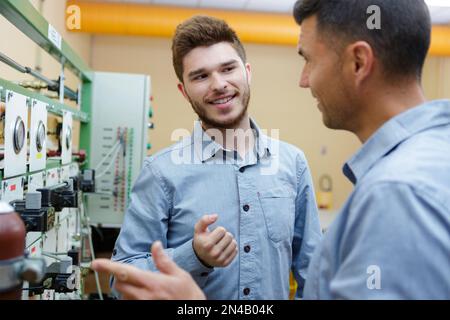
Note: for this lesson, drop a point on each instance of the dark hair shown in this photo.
(402, 42)
(201, 31)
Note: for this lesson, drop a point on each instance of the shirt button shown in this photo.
(247, 249)
(114, 252)
(242, 169)
(246, 207)
(203, 274)
(246, 291)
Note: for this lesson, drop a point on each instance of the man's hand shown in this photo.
(214, 249)
(172, 283)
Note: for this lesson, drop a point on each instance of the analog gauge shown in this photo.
(68, 137)
(18, 135)
(40, 136)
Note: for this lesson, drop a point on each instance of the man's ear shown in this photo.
(362, 59)
(248, 70)
(182, 90)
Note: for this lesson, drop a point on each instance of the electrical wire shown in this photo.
(51, 255)
(86, 221)
(97, 281)
(56, 253)
(109, 165)
(113, 149)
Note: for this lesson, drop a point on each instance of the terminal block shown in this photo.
(61, 196)
(36, 216)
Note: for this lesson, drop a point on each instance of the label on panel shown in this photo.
(54, 36)
(38, 136)
(34, 243)
(49, 244)
(15, 135)
(53, 177)
(66, 138)
(63, 232)
(12, 189)
(36, 181)
(65, 173)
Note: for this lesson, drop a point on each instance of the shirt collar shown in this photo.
(263, 146)
(206, 147)
(394, 132)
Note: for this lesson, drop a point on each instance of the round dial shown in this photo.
(18, 135)
(40, 136)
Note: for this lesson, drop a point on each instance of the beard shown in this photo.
(342, 112)
(213, 123)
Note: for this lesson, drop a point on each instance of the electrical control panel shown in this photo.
(119, 132)
(69, 157)
(15, 133)
(12, 189)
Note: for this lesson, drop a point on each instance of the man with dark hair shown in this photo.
(258, 191)
(392, 237)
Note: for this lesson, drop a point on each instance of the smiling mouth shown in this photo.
(223, 100)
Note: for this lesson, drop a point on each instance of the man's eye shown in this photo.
(200, 77)
(228, 69)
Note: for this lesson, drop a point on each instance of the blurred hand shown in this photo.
(217, 248)
(172, 283)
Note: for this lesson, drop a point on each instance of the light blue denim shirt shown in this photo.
(392, 238)
(265, 200)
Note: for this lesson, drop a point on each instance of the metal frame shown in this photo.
(54, 106)
(27, 19)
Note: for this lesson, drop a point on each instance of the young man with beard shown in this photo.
(233, 207)
(392, 238)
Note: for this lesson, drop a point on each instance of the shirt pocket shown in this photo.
(278, 207)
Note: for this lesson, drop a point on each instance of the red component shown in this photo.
(12, 244)
(12, 187)
(81, 155)
(53, 153)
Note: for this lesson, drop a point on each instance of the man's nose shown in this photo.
(304, 80)
(218, 83)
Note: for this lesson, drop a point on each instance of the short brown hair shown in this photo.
(201, 31)
(401, 43)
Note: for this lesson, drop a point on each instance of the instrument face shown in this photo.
(18, 135)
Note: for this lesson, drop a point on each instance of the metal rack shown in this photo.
(29, 21)
(58, 239)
